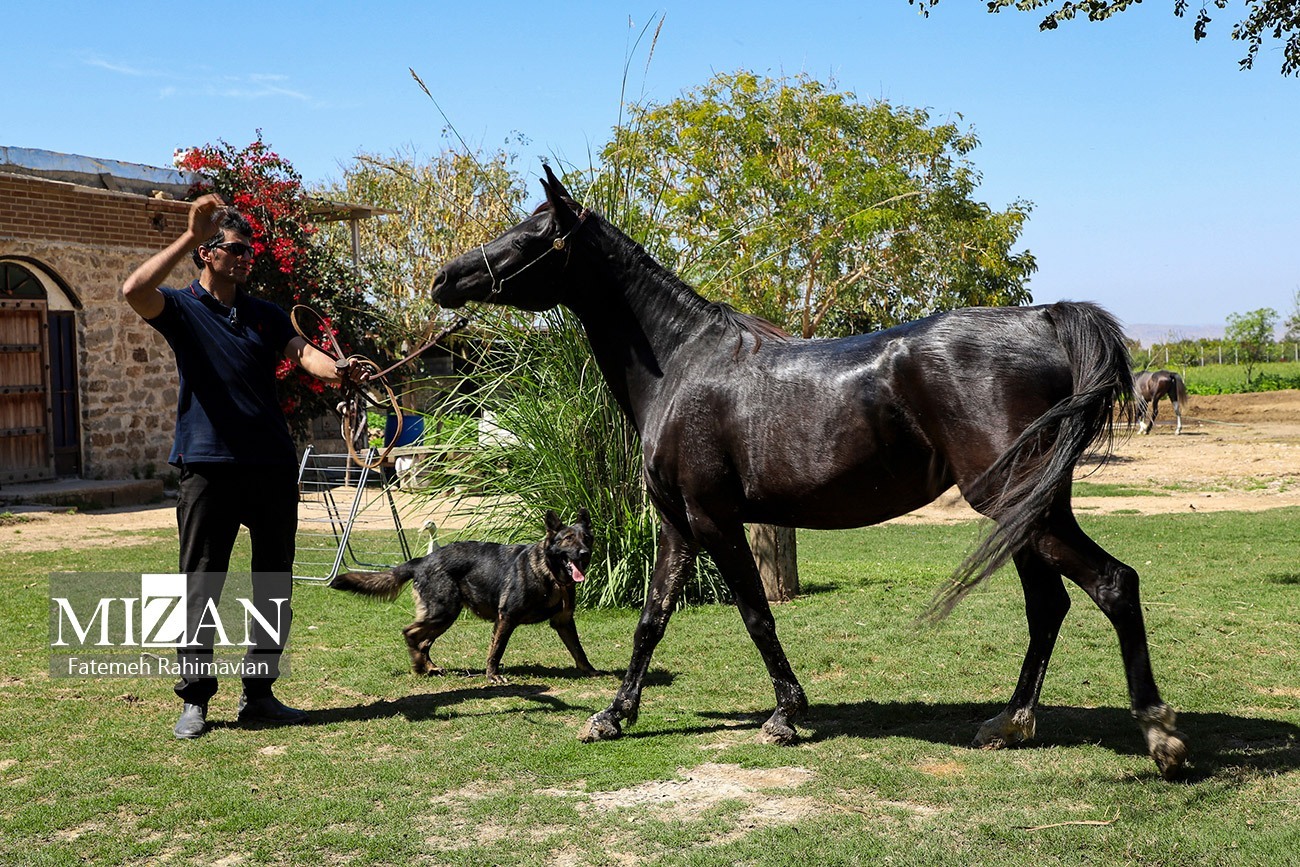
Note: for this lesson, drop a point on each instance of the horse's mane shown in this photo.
(747, 323)
(744, 323)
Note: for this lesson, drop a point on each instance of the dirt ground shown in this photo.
(1236, 453)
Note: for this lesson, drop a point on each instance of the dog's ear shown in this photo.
(553, 522)
(584, 519)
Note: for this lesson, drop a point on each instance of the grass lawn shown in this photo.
(1231, 378)
(397, 769)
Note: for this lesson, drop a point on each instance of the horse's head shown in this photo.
(523, 267)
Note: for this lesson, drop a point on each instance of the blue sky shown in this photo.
(1164, 180)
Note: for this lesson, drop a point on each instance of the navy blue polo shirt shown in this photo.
(227, 410)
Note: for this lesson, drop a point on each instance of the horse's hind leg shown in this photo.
(1114, 587)
(1178, 415)
(1046, 604)
(673, 566)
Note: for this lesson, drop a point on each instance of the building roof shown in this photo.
(95, 172)
(146, 180)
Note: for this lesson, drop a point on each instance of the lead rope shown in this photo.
(352, 407)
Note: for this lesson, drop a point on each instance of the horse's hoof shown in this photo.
(778, 733)
(601, 727)
(1166, 745)
(1006, 730)
(1170, 755)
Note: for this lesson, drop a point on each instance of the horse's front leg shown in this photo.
(673, 567)
(1146, 416)
(730, 551)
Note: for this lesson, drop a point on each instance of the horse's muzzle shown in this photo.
(441, 295)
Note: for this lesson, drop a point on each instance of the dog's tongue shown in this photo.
(576, 573)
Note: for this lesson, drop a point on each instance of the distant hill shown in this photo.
(1146, 335)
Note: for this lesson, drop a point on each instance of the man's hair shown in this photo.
(230, 219)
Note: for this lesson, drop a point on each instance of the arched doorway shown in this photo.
(40, 432)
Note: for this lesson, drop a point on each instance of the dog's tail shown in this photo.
(383, 585)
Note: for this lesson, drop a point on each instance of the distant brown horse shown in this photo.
(740, 423)
(1149, 386)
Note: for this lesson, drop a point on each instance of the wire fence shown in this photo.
(1202, 353)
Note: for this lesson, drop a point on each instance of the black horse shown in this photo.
(1150, 386)
(741, 423)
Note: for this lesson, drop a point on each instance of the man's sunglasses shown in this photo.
(234, 248)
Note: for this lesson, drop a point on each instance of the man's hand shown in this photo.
(353, 371)
(205, 213)
(141, 288)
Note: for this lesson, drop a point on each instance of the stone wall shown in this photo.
(89, 241)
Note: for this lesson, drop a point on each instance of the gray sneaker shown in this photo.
(269, 710)
(193, 721)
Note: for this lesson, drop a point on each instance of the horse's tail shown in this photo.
(1181, 388)
(1040, 463)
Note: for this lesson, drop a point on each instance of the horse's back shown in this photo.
(879, 424)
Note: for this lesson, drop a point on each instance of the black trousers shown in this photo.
(215, 499)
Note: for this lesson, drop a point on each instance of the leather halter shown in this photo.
(559, 245)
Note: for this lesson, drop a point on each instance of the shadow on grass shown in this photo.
(1222, 745)
(428, 705)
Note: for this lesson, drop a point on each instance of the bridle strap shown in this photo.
(559, 245)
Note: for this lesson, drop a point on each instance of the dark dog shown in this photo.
(508, 584)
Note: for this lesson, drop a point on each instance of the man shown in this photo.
(237, 460)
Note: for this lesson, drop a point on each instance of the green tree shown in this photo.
(1292, 323)
(1253, 334)
(801, 204)
(439, 207)
(1278, 19)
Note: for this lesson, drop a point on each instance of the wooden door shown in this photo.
(65, 415)
(26, 444)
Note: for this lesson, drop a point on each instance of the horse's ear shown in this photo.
(561, 202)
